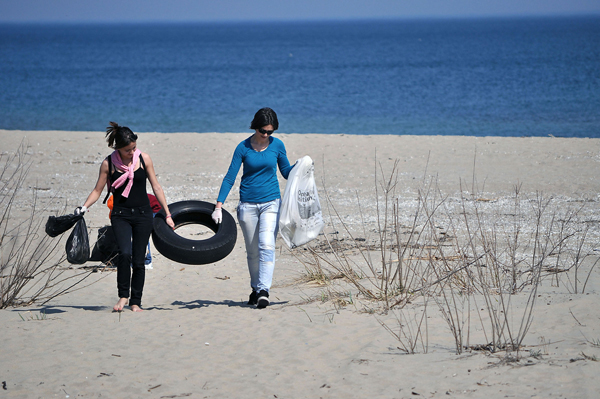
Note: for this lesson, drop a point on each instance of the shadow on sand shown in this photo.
(203, 303)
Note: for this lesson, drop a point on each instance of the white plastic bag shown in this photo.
(301, 219)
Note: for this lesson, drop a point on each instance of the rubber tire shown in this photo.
(194, 252)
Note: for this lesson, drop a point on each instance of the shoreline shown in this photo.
(503, 162)
(314, 133)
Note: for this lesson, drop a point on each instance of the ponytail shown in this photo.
(119, 136)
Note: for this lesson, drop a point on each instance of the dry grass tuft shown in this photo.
(470, 256)
(30, 260)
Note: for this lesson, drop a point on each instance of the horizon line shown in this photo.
(304, 20)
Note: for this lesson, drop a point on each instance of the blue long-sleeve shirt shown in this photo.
(259, 176)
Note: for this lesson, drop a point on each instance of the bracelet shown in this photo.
(168, 216)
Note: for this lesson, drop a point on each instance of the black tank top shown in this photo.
(138, 195)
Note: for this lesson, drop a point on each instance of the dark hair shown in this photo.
(264, 116)
(119, 136)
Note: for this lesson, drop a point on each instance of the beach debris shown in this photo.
(154, 387)
(4, 386)
(105, 375)
(223, 278)
(593, 358)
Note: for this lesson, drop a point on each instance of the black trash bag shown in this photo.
(58, 225)
(78, 244)
(106, 247)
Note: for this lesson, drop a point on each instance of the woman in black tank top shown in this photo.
(138, 195)
(125, 172)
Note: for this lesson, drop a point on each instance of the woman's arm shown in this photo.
(227, 183)
(156, 188)
(229, 179)
(283, 162)
(97, 191)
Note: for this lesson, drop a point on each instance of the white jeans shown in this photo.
(260, 224)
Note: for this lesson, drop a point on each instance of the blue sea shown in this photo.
(475, 77)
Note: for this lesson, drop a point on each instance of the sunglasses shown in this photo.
(263, 131)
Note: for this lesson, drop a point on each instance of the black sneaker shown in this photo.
(253, 299)
(263, 299)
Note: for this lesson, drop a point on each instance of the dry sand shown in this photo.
(196, 338)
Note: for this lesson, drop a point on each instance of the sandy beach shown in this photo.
(197, 338)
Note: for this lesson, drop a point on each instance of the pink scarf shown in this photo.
(127, 170)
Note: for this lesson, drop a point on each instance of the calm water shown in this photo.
(500, 77)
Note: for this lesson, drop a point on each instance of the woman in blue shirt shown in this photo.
(260, 199)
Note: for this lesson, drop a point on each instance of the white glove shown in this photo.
(80, 210)
(217, 215)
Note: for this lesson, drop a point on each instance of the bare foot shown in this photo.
(120, 305)
(136, 308)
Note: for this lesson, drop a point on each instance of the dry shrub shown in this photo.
(30, 260)
(465, 254)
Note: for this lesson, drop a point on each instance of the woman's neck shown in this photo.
(259, 140)
(258, 143)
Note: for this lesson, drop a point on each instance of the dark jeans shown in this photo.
(132, 228)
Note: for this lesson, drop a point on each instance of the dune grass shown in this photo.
(471, 257)
(30, 261)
